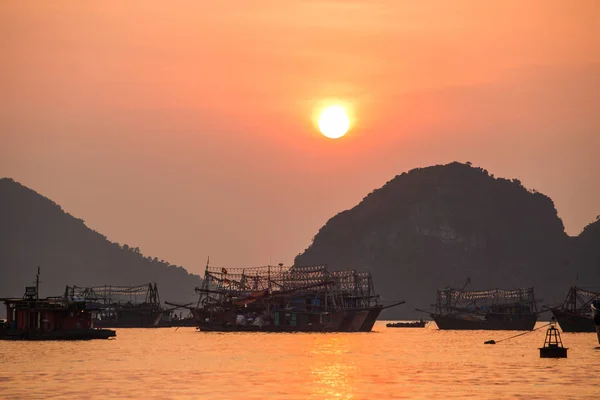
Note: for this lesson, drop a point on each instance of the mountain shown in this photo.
(435, 227)
(36, 231)
(587, 255)
(423, 230)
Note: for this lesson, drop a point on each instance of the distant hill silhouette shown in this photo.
(587, 255)
(434, 227)
(36, 231)
(423, 230)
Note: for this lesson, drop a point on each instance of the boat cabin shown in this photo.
(46, 315)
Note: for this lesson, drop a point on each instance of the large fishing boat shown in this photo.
(128, 306)
(595, 306)
(52, 318)
(574, 315)
(286, 299)
(497, 309)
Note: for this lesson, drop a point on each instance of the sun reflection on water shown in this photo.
(332, 378)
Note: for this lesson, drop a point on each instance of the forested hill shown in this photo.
(36, 231)
(437, 226)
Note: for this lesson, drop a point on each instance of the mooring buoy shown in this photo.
(553, 346)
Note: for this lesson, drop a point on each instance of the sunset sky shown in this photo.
(186, 127)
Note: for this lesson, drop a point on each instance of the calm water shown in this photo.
(386, 363)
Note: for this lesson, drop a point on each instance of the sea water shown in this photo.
(388, 363)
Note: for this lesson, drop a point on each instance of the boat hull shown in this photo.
(186, 322)
(302, 323)
(454, 323)
(353, 320)
(126, 323)
(573, 322)
(370, 319)
(264, 328)
(417, 324)
(143, 321)
(596, 317)
(71, 334)
(553, 352)
(357, 320)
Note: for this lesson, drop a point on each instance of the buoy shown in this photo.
(553, 346)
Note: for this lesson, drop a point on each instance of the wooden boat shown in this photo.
(129, 306)
(414, 324)
(286, 299)
(596, 316)
(282, 321)
(574, 315)
(52, 318)
(496, 309)
(122, 306)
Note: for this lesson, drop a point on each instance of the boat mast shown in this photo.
(37, 284)
(572, 306)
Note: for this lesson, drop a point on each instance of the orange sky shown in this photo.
(184, 127)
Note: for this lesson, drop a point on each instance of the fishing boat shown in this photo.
(286, 299)
(496, 309)
(52, 318)
(574, 315)
(413, 324)
(595, 306)
(128, 306)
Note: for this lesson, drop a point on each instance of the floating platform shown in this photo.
(553, 347)
(553, 352)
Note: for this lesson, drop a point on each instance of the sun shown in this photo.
(334, 122)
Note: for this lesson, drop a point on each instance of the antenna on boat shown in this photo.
(37, 285)
(461, 291)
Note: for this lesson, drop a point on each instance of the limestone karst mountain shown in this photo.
(586, 258)
(426, 229)
(435, 227)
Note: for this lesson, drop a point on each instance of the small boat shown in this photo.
(52, 318)
(414, 324)
(596, 316)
